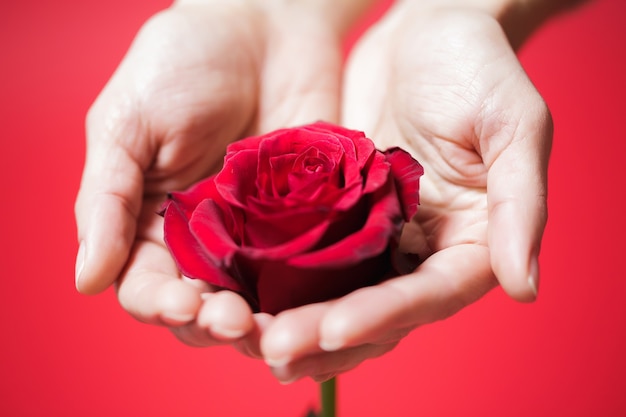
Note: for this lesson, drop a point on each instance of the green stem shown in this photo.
(329, 398)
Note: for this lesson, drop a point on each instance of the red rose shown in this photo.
(295, 216)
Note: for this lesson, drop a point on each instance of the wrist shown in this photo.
(518, 18)
(339, 15)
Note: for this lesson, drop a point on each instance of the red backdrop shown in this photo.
(63, 354)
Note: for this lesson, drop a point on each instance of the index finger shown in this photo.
(445, 283)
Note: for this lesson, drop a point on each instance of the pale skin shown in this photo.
(439, 78)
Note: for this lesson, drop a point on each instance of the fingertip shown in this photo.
(533, 284)
(354, 318)
(106, 236)
(293, 334)
(523, 287)
(516, 229)
(277, 345)
(226, 315)
(92, 279)
(79, 265)
(250, 344)
(333, 330)
(331, 344)
(263, 320)
(532, 288)
(177, 302)
(172, 318)
(533, 277)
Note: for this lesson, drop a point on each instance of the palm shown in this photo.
(439, 98)
(434, 95)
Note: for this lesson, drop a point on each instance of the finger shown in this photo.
(324, 366)
(445, 283)
(250, 345)
(517, 198)
(109, 199)
(225, 315)
(152, 292)
(197, 335)
(293, 334)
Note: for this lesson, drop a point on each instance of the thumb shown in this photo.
(109, 198)
(517, 200)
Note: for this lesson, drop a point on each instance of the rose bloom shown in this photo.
(295, 216)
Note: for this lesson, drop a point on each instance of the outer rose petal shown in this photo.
(377, 173)
(208, 226)
(251, 142)
(237, 178)
(406, 172)
(189, 199)
(190, 256)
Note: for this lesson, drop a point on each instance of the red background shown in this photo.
(63, 354)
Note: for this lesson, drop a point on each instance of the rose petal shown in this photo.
(251, 142)
(365, 149)
(189, 199)
(377, 173)
(190, 257)
(208, 226)
(281, 286)
(360, 147)
(237, 179)
(338, 132)
(267, 229)
(383, 224)
(309, 186)
(297, 245)
(350, 195)
(406, 172)
(288, 141)
(275, 183)
(319, 159)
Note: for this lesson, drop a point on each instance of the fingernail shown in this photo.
(80, 263)
(227, 333)
(283, 374)
(330, 346)
(177, 318)
(277, 362)
(288, 381)
(533, 278)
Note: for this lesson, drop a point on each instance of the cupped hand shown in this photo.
(446, 86)
(198, 76)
